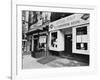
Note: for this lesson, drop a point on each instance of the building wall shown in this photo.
(60, 41)
(25, 17)
(42, 18)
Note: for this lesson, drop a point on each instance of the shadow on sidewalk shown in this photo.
(46, 59)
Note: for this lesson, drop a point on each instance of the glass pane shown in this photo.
(81, 30)
(81, 46)
(54, 39)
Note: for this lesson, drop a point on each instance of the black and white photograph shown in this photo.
(52, 40)
(55, 39)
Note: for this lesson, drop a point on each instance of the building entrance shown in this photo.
(68, 44)
(35, 45)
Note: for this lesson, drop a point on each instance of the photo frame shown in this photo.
(17, 71)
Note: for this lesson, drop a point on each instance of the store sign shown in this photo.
(69, 24)
(85, 16)
(70, 21)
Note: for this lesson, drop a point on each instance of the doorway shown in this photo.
(68, 44)
(35, 45)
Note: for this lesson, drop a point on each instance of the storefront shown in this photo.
(37, 42)
(70, 34)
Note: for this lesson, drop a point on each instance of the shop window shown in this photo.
(54, 39)
(81, 30)
(42, 42)
(85, 46)
(78, 45)
(81, 46)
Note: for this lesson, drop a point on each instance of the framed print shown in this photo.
(52, 40)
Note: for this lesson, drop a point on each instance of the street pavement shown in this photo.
(30, 63)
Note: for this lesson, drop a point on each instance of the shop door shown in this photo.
(68, 44)
(35, 44)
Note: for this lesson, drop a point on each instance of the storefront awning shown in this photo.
(36, 29)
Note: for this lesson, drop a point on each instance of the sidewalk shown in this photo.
(31, 63)
(50, 61)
